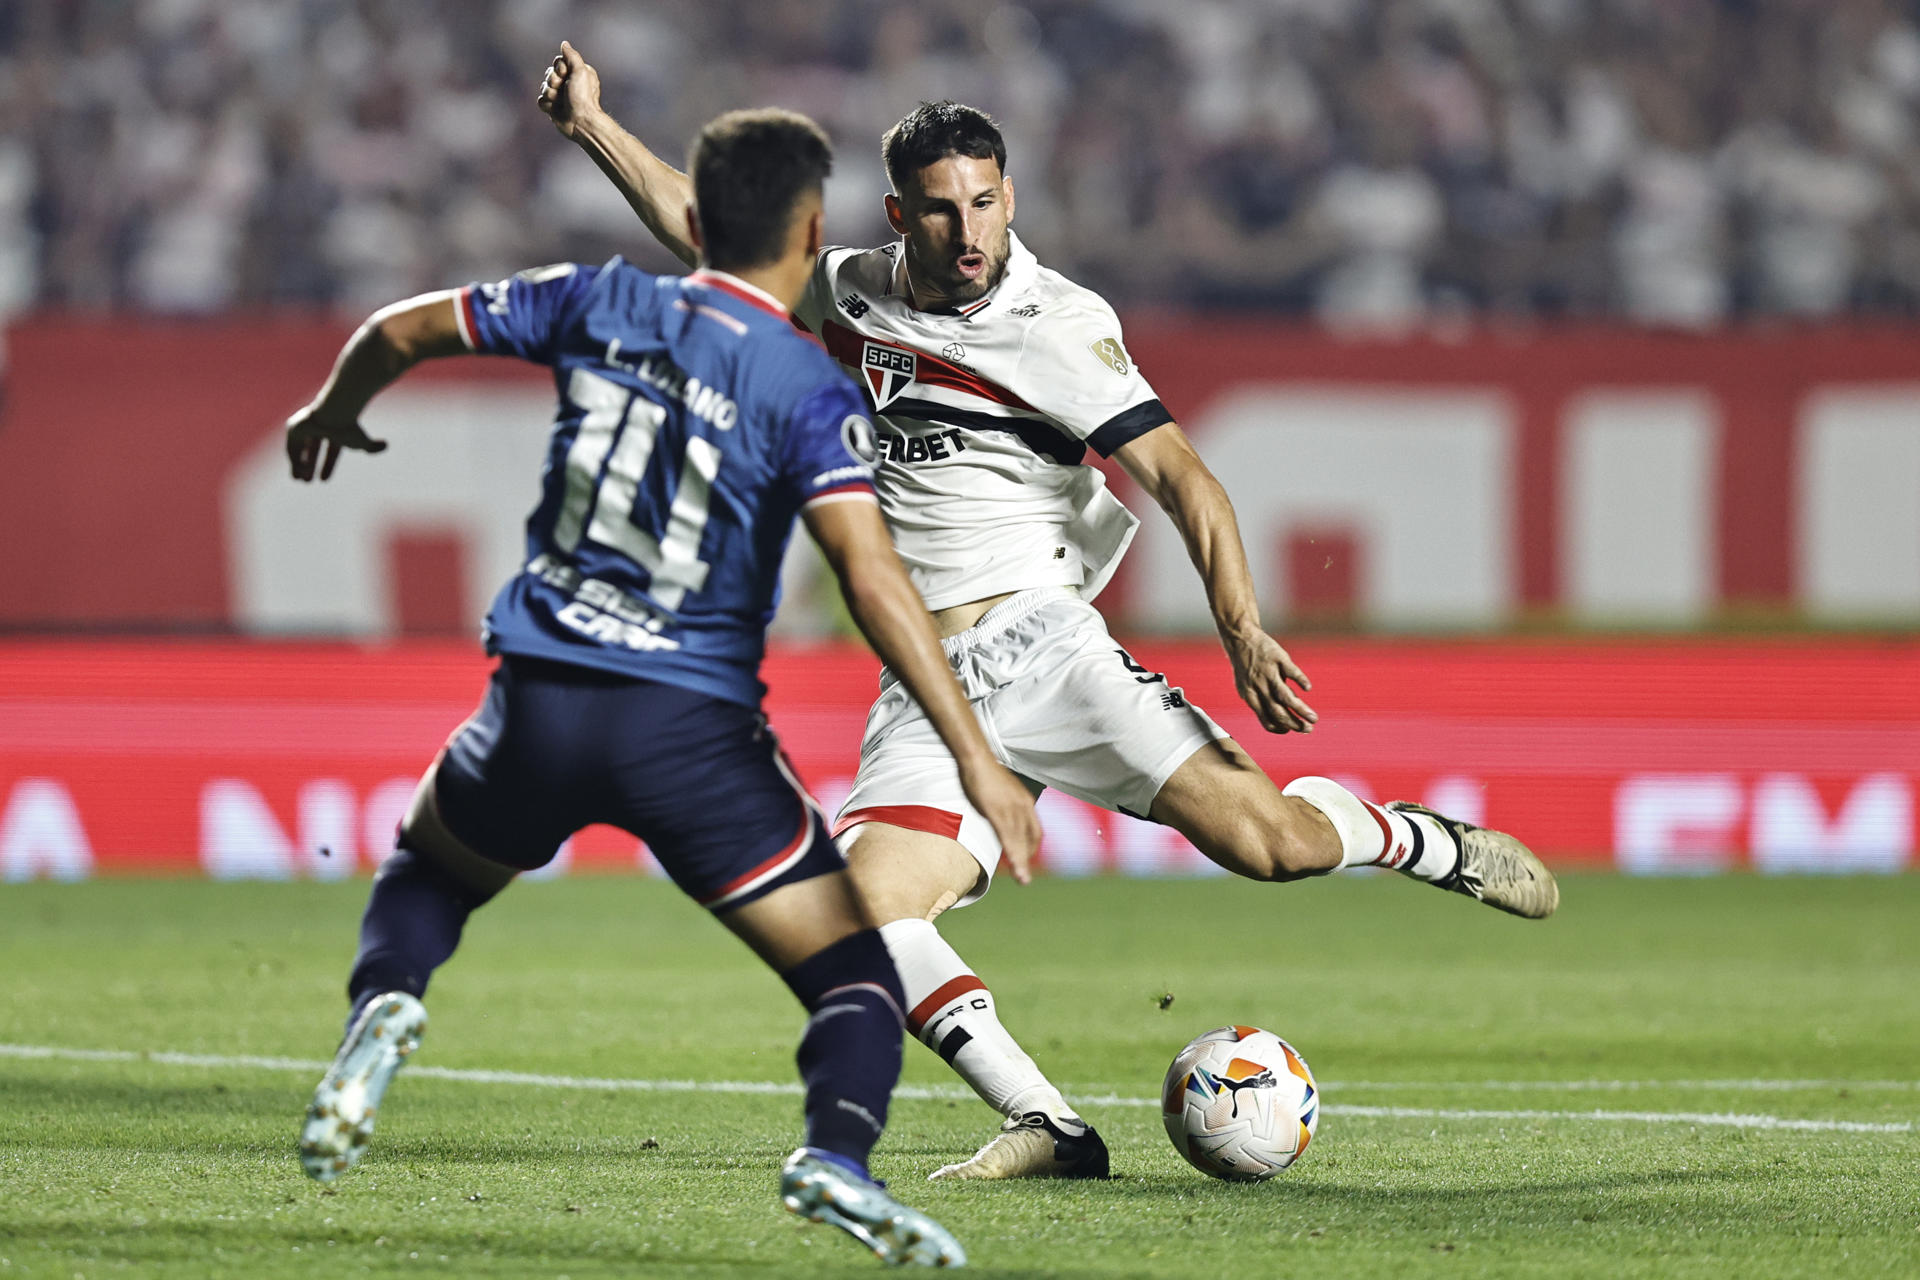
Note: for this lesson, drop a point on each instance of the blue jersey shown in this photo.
(694, 423)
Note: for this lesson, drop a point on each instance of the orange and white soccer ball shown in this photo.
(1240, 1104)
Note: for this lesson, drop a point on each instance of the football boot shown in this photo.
(823, 1191)
(340, 1118)
(1494, 867)
(1035, 1145)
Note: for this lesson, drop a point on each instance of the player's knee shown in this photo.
(906, 875)
(430, 849)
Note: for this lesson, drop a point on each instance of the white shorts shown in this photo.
(1063, 706)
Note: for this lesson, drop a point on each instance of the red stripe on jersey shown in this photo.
(913, 817)
(789, 854)
(948, 991)
(852, 486)
(469, 322)
(713, 280)
(849, 348)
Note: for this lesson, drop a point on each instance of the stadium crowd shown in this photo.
(1378, 164)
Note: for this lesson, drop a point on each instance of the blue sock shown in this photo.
(848, 1163)
(850, 1053)
(412, 924)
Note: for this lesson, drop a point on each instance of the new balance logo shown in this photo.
(1172, 700)
(854, 305)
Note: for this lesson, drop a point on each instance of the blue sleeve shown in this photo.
(829, 445)
(523, 314)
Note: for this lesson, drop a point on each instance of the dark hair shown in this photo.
(933, 131)
(750, 170)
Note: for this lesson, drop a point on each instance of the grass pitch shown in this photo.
(1751, 1044)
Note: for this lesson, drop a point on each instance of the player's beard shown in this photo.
(945, 276)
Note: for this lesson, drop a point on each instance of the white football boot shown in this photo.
(340, 1118)
(821, 1191)
(1494, 868)
(1034, 1145)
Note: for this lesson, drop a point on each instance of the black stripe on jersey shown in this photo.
(1128, 424)
(1045, 440)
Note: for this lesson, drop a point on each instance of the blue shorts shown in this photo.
(555, 747)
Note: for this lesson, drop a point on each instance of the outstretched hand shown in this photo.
(569, 90)
(315, 444)
(1264, 675)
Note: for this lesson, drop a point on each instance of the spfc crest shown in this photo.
(888, 371)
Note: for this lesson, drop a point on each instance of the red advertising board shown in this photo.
(1597, 475)
(246, 759)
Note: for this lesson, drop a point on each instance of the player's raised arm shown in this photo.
(658, 192)
(1163, 463)
(393, 340)
(518, 317)
(894, 619)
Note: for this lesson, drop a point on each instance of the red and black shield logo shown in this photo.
(888, 370)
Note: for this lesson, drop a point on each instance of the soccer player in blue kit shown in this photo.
(694, 424)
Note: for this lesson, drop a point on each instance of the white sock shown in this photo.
(1371, 836)
(952, 1013)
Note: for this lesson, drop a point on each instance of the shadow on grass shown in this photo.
(576, 1246)
(1368, 1197)
(59, 1113)
(61, 1118)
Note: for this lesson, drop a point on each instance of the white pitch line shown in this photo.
(1724, 1119)
(1631, 1086)
(1731, 1120)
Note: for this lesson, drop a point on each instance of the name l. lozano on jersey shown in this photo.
(985, 415)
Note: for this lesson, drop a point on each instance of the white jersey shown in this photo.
(984, 415)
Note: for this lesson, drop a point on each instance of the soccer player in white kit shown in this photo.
(991, 377)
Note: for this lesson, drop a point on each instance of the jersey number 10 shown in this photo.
(626, 424)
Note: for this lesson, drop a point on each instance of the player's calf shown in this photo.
(850, 1052)
(952, 1012)
(412, 925)
(1282, 842)
(1225, 804)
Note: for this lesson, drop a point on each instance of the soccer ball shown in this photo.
(1240, 1104)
